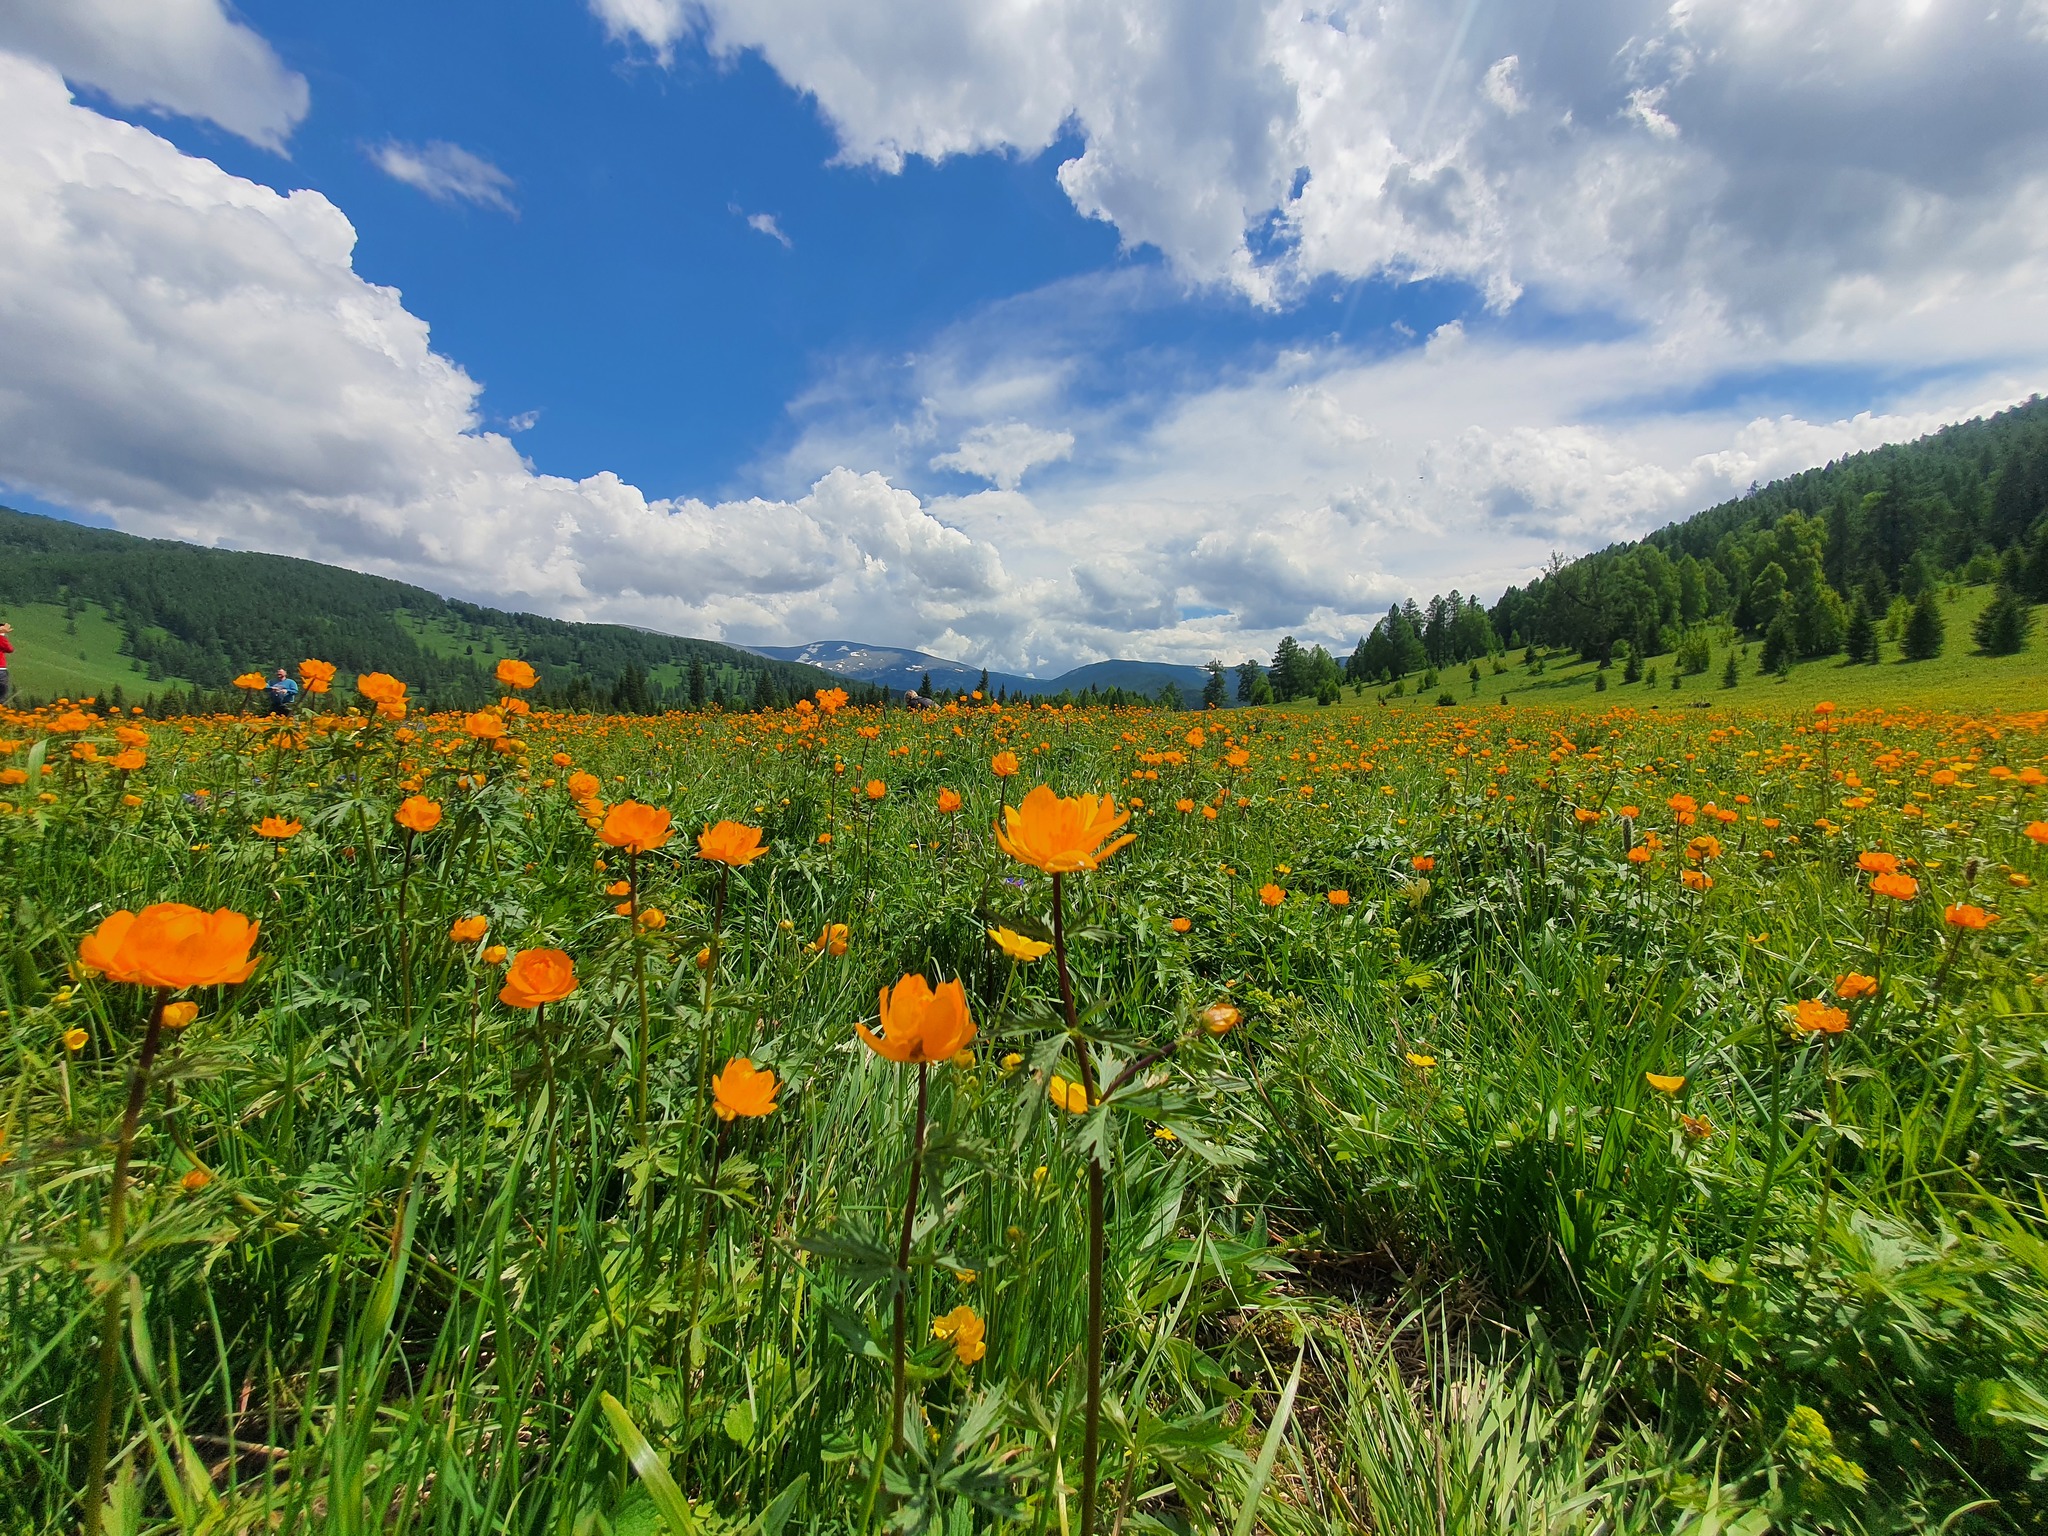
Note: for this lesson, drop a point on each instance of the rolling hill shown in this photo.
(94, 610)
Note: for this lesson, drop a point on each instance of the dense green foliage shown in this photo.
(208, 615)
(1589, 1144)
(1798, 555)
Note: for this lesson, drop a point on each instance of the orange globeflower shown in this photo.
(1220, 1018)
(1003, 765)
(130, 761)
(1422, 863)
(949, 802)
(730, 843)
(1696, 880)
(877, 789)
(1181, 924)
(494, 955)
(1184, 806)
(467, 930)
(316, 675)
(416, 813)
(742, 1090)
(253, 681)
(516, 674)
(1271, 894)
(1640, 854)
(2038, 831)
(831, 700)
(278, 828)
(1340, 898)
(172, 946)
(385, 691)
(1854, 985)
(1898, 887)
(920, 1024)
(635, 827)
(484, 725)
(1878, 863)
(1965, 916)
(538, 976)
(1062, 834)
(1811, 1016)
(584, 786)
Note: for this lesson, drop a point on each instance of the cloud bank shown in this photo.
(1709, 192)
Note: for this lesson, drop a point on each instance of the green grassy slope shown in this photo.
(154, 613)
(73, 657)
(1959, 678)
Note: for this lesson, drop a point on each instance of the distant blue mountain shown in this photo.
(899, 668)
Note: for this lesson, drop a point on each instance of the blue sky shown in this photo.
(1033, 335)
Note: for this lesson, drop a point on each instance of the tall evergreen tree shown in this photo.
(1860, 641)
(1249, 675)
(1215, 691)
(700, 685)
(1925, 632)
(1286, 664)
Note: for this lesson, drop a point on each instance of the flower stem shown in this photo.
(639, 993)
(1091, 1434)
(900, 1329)
(117, 1293)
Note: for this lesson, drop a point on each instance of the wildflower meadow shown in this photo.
(1014, 1118)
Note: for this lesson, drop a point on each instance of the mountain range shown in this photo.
(900, 669)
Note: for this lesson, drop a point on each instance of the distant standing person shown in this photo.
(6, 650)
(283, 692)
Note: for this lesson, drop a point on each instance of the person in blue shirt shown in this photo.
(283, 692)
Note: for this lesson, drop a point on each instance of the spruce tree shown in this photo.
(1215, 692)
(1925, 633)
(1729, 676)
(1861, 639)
(2002, 628)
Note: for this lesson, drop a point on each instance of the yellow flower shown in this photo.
(178, 1015)
(1062, 834)
(1016, 946)
(74, 1040)
(1419, 1062)
(963, 1330)
(1071, 1097)
(1663, 1084)
(516, 674)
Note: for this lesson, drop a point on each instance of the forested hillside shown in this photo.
(1828, 562)
(201, 616)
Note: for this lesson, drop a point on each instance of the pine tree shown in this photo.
(700, 685)
(925, 687)
(1632, 670)
(1249, 675)
(1215, 692)
(1861, 639)
(2002, 628)
(1925, 633)
(982, 686)
(1285, 666)
(1778, 647)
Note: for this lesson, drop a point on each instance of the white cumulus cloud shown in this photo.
(190, 57)
(1003, 454)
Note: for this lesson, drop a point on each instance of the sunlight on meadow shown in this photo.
(1020, 1117)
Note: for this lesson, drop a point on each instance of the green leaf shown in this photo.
(772, 1519)
(1262, 1473)
(653, 1471)
(739, 1423)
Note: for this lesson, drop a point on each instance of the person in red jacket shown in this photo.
(6, 650)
